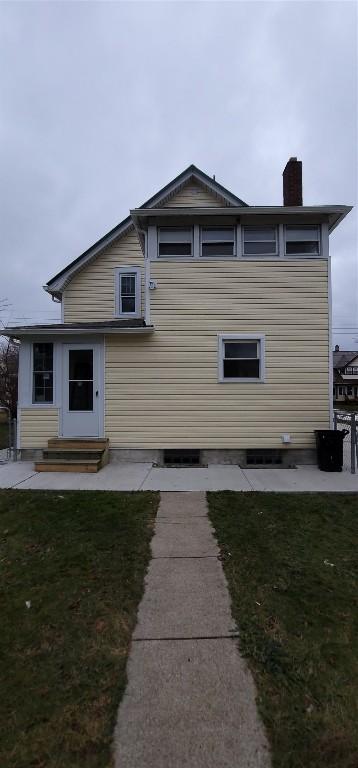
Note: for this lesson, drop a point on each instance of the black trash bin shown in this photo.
(329, 444)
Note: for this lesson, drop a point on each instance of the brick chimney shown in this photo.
(292, 182)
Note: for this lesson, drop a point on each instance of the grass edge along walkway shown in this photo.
(73, 574)
(291, 565)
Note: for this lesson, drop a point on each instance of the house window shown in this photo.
(260, 241)
(350, 391)
(42, 376)
(128, 292)
(352, 370)
(302, 240)
(174, 241)
(340, 391)
(241, 358)
(217, 241)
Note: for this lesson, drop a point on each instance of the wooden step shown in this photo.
(67, 465)
(73, 453)
(59, 443)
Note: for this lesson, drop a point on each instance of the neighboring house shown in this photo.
(199, 323)
(345, 367)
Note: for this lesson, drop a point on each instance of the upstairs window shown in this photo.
(217, 242)
(128, 292)
(302, 240)
(175, 241)
(260, 241)
(351, 370)
(42, 376)
(241, 358)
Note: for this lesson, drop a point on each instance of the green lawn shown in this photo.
(291, 563)
(79, 559)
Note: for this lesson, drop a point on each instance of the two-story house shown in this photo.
(198, 329)
(345, 370)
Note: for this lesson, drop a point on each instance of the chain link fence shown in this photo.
(8, 436)
(349, 421)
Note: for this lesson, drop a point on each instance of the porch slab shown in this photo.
(142, 476)
(14, 472)
(303, 479)
(113, 477)
(216, 477)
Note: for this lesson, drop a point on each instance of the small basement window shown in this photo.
(260, 241)
(217, 242)
(42, 376)
(302, 240)
(128, 289)
(263, 456)
(180, 457)
(241, 358)
(175, 241)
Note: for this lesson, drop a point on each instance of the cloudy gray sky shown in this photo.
(103, 103)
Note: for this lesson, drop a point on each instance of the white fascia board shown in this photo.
(57, 286)
(72, 331)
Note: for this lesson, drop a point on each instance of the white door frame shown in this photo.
(98, 348)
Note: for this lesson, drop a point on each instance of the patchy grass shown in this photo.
(291, 564)
(79, 558)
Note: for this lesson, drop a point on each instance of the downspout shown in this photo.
(146, 278)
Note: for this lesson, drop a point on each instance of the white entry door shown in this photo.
(81, 396)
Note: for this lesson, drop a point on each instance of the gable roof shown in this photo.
(57, 283)
(343, 358)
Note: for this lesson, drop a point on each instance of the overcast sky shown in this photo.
(103, 103)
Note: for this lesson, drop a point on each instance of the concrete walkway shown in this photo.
(141, 477)
(190, 699)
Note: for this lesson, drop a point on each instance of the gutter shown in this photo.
(13, 333)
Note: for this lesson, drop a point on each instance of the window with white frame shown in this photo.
(128, 291)
(302, 240)
(42, 373)
(241, 358)
(260, 241)
(217, 241)
(175, 241)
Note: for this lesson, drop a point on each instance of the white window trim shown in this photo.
(222, 337)
(318, 255)
(123, 271)
(229, 240)
(261, 255)
(173, 255)
(153, 245)
(33, 403)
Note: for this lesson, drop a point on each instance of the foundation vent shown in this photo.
(181, 457)
(263, 457)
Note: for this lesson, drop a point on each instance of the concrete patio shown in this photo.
(143, 477)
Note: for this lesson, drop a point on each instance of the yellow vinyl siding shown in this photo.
(91, 293)
(193, 195)
(163, 391)
(37, 426)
